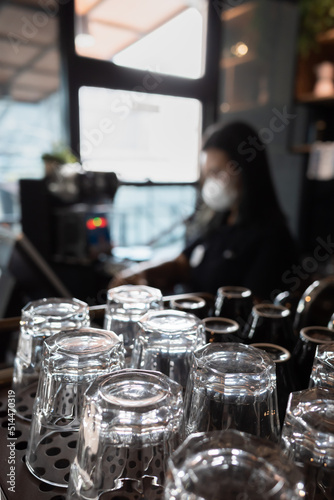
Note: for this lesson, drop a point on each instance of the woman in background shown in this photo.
(246, 242)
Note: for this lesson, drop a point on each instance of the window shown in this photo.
(165, 36)
(140, 89)
(140, 136)
(30, 102)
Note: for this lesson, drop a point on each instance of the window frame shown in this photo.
(78, 71)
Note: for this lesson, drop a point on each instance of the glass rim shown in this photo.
(234, 326)
(203, 354)
(316, 399)
(63, 342)
(145, 322)
(324, 347)
(34, 306)
(281, 349)
(123, 294)
(278, 311)
(197, 301)
(128, 379)
(304, 334)
(31, 305)
(234, 291)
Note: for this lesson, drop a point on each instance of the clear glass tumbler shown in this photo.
(231, 465)
(234, 302)
(322, 374)
(316, 305)
(331, 322)
(303, 354)
(165, 342)
(132, 422)
(232, 385)
(221, 330)
(126, 304)
(39, 320)
(191, 304)
(308, 439)
(272, 324)
(285, 380)
(71, 362)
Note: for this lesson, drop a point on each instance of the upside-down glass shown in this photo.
(308, 439)
(316, 305)
(322, 374)
(71, 361)
(231, 465)
(303, 355)
(165, 342)
(221, 330)
(125, 306)
(191, 304)
(39, 320)
(232, 385)
(270, 324)
(284, 374)
(234, 302)
(132, 422)
(289, 300)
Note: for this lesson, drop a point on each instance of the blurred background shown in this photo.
(102, 108)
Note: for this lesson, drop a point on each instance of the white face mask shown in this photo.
(217, 195)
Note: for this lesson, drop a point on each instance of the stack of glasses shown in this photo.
(163, 404)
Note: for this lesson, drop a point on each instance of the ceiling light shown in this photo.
(83, 38)
(240, 49)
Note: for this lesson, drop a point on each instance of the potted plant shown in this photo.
(316, 18)
(60, 155)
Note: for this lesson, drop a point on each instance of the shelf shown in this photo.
(327, 37)
(301, 148)
(239, 107)
(231, 62)
(310, 98)
(238, 11)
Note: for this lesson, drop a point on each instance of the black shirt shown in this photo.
(255, 256)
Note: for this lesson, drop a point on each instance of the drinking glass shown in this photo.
(271, 324)
(289, 300)
(234, 302)
(322, 374)
(284, 374)
(308, 439)
(71, 361)
(126, 304)
(232, 385)
(221, 330)
(132, 422)
(41, 319)
(303, 355)
(316, 305)
(191, 304)
(165, 342)
(231, 465)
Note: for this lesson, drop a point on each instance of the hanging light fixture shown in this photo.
(83, 38)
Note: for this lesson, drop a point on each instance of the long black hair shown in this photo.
(248, 157)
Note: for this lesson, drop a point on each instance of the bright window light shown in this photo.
(175, 48)
(140, 136)
(165, 36)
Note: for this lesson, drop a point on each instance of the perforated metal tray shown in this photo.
(27, 487)
(54, 454)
